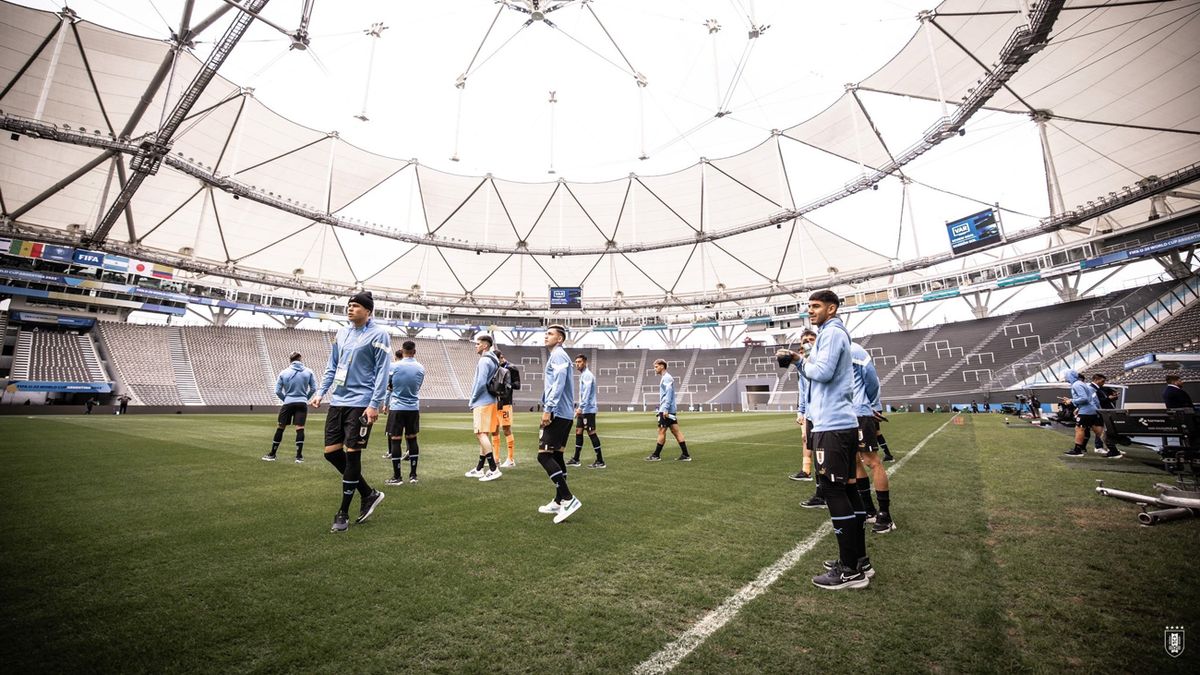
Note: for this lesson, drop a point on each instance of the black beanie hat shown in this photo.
(363, 298)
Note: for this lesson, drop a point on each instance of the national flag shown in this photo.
(162, 272)
(5, 244)
(58, 253)
(116, 263)
(139, 267)
(15, 247)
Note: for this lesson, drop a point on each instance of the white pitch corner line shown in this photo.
(665, 659)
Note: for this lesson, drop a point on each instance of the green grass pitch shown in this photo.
(162, 544)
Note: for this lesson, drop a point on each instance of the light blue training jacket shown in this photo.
(666, 394)
(831, 380)
(866, 381)
(558, 396)
(802, 405)
(366, 353)
(295, 384)
(404, 379)
(587, 392)
(484, 369)
(1082, 394)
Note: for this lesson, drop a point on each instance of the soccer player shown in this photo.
(356, 377)
(835, 441)
(504, 413)
(866, 403)
(667, 415)
(295, 385)
(585, 415)
(483, 408)
(404, 411)
(558, 408)
(1087, 414)
(807, 338)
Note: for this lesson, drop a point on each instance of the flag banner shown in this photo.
(58, 253)
(89, 258)
(162, 272)
(116, 263)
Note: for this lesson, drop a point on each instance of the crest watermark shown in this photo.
(1173, 640)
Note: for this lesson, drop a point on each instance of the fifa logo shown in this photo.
(1173, 640)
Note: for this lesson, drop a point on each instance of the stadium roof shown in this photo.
(953, 122)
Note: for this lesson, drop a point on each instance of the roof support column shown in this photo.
(725, 335)
(905, 182)
(1053, 189)
(67, 17)
(517, 337)
(978, 302)
(925, 17)
(1177, 263)
(904, 317)
(1067, 286)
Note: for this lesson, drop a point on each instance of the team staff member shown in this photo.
(558, 406)
(585, 414)
(504, 413)
(483, 409)
(835, 441)
(295, 385)
(667, 415)
(404, 411)
(356, 379)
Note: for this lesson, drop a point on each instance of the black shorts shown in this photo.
(665, 420)
(868, 434)
(403, 422)
(343, 426)
(1089, 421)
(834, 453)
(293, 413)
(554, 435)
(586, 421)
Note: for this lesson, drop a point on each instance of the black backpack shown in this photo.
(500, 385)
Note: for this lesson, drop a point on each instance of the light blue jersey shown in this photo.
(357, 371)
(295, 384)
(1082, 395)
(829, 405)
(587, 392)
(666, 394)
(484, 369)
(405, 381)
(558, 396)
(866, 381)
(802, 383)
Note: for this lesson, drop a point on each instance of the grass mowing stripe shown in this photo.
(665, 659)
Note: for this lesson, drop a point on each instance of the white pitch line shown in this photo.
(665, 659)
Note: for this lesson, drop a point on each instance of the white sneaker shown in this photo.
(567, 509)
(490, 475)
(552, 507)
(473, 473)
(508, 463)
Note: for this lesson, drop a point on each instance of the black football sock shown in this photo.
(578, 446)
(482, 460)
(885, 500)
(338, 459)
(355, 458)
(276, 441)
(491, 461)
(560, 457)
(844, 525)
(350, 479)
(414, 452)
(557, 475)
(683, 448)
(1079, 447)
(864, 494)
(860, 518)
(596, 446)
(658, 449)
(299, 443)
(882, 443)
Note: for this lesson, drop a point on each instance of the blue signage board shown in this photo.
(977, 230)
(566, 297)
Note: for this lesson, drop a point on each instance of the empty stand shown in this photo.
(227, 366)
(48, 356)
(142, 358)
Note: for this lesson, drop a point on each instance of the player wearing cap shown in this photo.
(356, 379)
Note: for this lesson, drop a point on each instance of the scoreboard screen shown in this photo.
(975, 231)
(566, 297)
